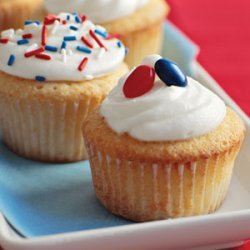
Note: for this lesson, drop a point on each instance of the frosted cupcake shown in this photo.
(13, 13)
(52, 75)
(138, 22)
(162, 148)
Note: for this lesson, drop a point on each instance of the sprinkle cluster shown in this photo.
(94, 38)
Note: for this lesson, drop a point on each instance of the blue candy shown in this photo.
(170, 73)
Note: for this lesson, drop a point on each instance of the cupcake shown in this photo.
(162, 145)
(15, 12)
(138, 22)
(52, 75)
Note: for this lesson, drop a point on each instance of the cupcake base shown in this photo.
(144, 192)
(144, 181)
(43, 121)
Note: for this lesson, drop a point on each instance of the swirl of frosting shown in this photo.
(98, 11)
(67, 47)
(164, 113)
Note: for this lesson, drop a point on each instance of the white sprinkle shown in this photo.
(100, 53)
(31, 27)
(8, 33)
(89, 25)
(70, 52)
(19, 32)
(32, 47)
(64, 55)
(55, 27)
(89, 77)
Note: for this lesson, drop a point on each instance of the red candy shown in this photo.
(139, 82)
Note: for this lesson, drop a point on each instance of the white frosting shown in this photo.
(64, 63)
(99, 11)
(164, 113)
(150, 60)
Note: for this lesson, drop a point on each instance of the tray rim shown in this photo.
(10, 241)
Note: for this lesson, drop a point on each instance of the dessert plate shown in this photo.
(53, 206)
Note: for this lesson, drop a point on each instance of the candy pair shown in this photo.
(142, 79)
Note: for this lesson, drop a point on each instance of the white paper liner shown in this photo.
(44, 130)
(142, 191)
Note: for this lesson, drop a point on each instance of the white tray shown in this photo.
(228, 227)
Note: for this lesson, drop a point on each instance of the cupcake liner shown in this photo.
(47, 131)
(44, 121)
(14, 13)
(142, 43)
(143, 191)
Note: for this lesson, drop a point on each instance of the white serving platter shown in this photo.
(228, 227)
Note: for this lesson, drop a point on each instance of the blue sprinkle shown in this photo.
(101, 33)
(23, 41)
(11, 60)
(78, 19)
(69, 38)
(126, 51)
(27, 22)
(68, 17)
(40, 78)
(84, 49)
(73, 28)
(119, 44)
(64, 45)
(51, 48)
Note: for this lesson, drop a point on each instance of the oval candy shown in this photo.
(170, 73)
(139, 82)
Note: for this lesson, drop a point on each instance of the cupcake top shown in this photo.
(98, 11)
(158, 102)
(67, 47)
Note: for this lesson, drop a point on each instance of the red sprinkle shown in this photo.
(50, 19)
(64, 22)
(43, 56)
(44, 35)
(84, 18)
(83, 64)
(139, 82)
(87, 42)
(4, 40)
(93, 35)
(27, 36)
(117, 36)
(34, 52)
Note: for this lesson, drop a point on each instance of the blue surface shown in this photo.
(42, 199)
